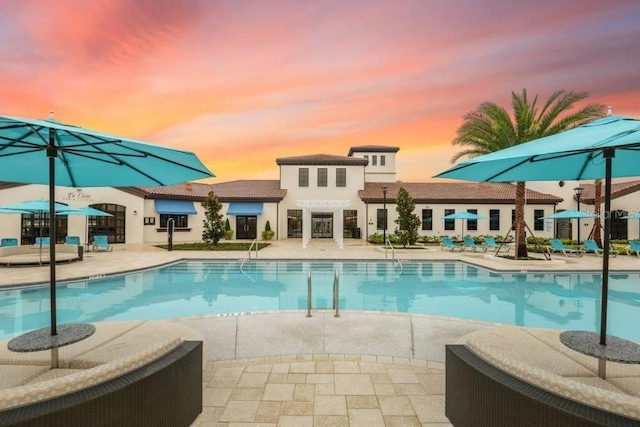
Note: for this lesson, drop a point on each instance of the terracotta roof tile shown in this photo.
(458, 192)
(373, 149)
(618, 189)
(322, 159)
(249, 190)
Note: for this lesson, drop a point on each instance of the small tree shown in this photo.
(408, 222)
(214, 227)
(267, 234)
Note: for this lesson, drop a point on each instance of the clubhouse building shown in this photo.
(317, 196)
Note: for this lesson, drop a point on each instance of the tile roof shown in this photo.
(249, 190)
(373, 149)
(322, 159)
(458, 192)
(618, 189)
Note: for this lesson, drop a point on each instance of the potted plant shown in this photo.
(267, 234)
(228, 232)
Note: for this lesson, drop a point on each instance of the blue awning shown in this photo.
(245, 208)
(175, 207)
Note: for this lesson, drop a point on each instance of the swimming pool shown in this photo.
(444, 288)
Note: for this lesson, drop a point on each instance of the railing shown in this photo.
(248, 256)
(336, 294)
(394, 255)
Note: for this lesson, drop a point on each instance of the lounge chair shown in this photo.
(558, 246)
(101, 242)
(634, 247)
(490, 243)
(42, 241)
(9, 241)
(448, 244)
(590, 245)
(72, 240)
(469, 243)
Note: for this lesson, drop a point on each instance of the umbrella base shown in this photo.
(41, 339)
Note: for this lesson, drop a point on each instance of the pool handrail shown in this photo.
(394, 256)
(248, 256)
(336, 294)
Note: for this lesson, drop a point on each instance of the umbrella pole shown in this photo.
(608, 155)
(51, 153)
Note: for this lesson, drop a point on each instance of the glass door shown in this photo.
(246, 227)
(322, 225)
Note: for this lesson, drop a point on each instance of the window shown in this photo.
(427, 219)
(303, 177)
(383, 160)
(341, 177)
(111, 226)
(322, 177)
(181, 221)
(513, 218)
(538, 224)
(350, 223)
(380, 218)
(37, 224)
(449, 224)
(374, 160)
(366, 157)
(294, 222)
(494, 219)
(472, 224)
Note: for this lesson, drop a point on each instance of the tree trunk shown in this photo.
(597, 223)
(521, 241)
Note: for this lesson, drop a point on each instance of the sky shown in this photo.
(243, 82)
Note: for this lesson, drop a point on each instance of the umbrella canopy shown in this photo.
(571, 214)
(38, 206)
(49, 152)
(605, 148)
(465, 216)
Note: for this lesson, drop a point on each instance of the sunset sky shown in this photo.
(243, 82)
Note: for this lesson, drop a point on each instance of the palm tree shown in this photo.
(490, 128)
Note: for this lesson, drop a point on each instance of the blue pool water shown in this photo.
(453, 289)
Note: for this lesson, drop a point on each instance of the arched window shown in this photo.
(111, 226)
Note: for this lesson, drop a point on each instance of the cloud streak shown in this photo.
(241, 83)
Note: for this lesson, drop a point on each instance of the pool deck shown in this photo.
(283, 369)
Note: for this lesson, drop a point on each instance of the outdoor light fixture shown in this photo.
(578, 191)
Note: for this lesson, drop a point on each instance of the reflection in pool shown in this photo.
(445, 288)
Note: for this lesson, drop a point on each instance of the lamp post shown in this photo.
(578, 191)
(384, 214)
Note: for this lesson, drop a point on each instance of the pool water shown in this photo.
(452, 289)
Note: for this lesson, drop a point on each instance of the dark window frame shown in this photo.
(449, 224)
(323, 174)
(538, 224)
(472, 224)
(341, 177)
(303, 177)
(494, 219)
(380, 217)
(427, 219)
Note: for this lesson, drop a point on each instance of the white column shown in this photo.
(338, 227)
(306, 227)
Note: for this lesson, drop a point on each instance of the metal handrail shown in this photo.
(309, 294)
(394, 256)
(336, 293)
(248, 256)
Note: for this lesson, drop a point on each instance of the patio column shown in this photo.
(338, 226)
(306, 227)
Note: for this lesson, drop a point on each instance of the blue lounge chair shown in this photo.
(634, 247)
(490, 242)
(448, 244)
(42, 241)
(558, 246)
(470, 244)
(590, 245)
(101, 242)
(8, 241)
(72, 240)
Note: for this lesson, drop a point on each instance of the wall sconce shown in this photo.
(135, 212)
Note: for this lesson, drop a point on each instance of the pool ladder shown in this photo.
(336, 294)
(248, 256)
(394, 256)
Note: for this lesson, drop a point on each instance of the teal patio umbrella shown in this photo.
(49, 152)
(571, 214)
(605, 148)
(38, 207)
(464, 216)
(88, 211)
